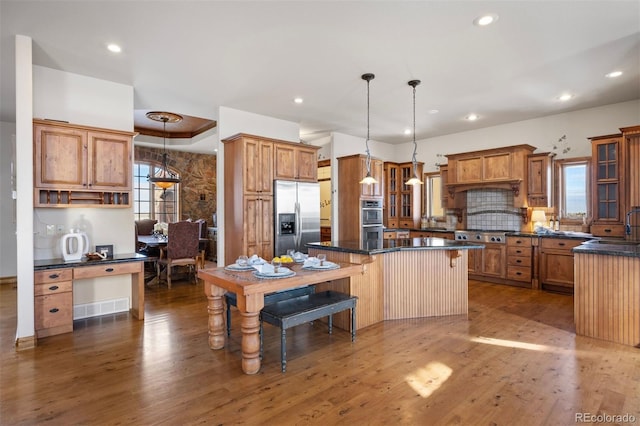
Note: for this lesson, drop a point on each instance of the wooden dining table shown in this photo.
(250, 292)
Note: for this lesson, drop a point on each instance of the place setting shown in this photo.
(319, 263)
(272, 270)
(244, 263)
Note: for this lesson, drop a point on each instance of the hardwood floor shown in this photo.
(514, 360)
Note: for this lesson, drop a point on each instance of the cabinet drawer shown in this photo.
(392, 223)
(53, 310)
(607, 230)
(418, 234)
(406, 224)
(519, 251)
(52, 276)
(519, 273)
(559, 244)
(106, 270)
(518, 242)
(519, 261)
(52, 288)
(388, 235)
(402, 234)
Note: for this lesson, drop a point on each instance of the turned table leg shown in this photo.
(216, 318)
(250, 342)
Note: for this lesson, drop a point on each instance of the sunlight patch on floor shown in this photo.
(427, 380)
(511, 344)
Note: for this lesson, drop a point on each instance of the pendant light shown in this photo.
(165, 179)
(368, 179)
(415, 180)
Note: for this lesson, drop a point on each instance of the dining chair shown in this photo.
(143, 227)
(182, 248)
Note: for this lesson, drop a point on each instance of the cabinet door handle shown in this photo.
(561, 244)
(518, 251)
(607, 230)
(109, 270)
(518, 261)
(518, 273)
(54, 310)
(53, 287)
(54, 276)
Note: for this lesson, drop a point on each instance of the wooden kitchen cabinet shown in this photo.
(257, 165)
(608, 194)
(296, 162)
(519, 259)
(493, 257)
(503, 168)
(80, 166)
(539, 179)
(403, 203)
(351, 170)
(258, 218)
(556, 263)
(631, 137)
(53, 302)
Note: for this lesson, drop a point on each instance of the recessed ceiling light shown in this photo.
(433, 111)
(298, 100)
(484, 20)
(614, 74)
(472, 117)
(114, 48)
(565, 97)
(407, 131)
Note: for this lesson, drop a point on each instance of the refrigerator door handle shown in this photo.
(298, 235)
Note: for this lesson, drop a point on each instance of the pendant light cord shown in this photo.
(366, 143)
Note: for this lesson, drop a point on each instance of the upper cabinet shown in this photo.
(403, 203)
(80, 166)
(539, 179)
(632, 141)
(296, 162)
(608, 190)
(493, 168)
(257, 165)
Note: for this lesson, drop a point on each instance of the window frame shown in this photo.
(558, 170)
(155, 193)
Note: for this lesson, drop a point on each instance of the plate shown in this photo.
(326, 265)
(285, 273)
(236, 267)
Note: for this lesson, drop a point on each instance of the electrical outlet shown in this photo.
(59, 229)
(51, 230)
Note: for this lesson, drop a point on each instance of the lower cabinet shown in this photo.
(493, 257)
(519, 259)
(53, 302)
(556, 263)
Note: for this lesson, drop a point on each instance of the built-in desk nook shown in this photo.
(53, 281)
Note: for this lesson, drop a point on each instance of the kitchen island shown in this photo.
(403, 278)
(607, 291)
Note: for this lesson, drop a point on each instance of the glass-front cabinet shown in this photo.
(608, 191)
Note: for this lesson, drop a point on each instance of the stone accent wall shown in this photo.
(198, 180)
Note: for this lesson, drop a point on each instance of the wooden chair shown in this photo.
(182, 248)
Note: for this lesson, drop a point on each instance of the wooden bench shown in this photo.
(231, 299)
(302, 309)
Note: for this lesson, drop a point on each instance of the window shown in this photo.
(573, 195)
(151, 202)
(432, 195)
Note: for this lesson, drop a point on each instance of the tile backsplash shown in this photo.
(492, 209)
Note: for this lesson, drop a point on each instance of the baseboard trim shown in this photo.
(8, 280)
(24, 343)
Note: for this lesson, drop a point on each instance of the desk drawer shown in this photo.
(53, 310)
(52, 276)
(106, 270)
(52, 288)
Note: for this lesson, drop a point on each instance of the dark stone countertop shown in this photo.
(443, 230)
(44, 264)
(555, 234)
(394, 244)
(614, 248)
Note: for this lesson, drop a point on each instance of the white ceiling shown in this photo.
(191, 57)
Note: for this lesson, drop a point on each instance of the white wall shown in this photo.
(78, 100)
(539, 132)
(8, 258)
(232, 121)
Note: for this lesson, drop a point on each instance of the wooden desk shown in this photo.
(250, 293)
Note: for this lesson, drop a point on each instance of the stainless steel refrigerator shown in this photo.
(296, 214)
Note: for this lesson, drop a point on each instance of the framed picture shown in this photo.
(105, 247)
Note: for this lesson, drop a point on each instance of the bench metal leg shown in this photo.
(330, 324)
(283, 349)
(353, 324)
(228, 318)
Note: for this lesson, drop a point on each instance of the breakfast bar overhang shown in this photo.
(392, 279)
